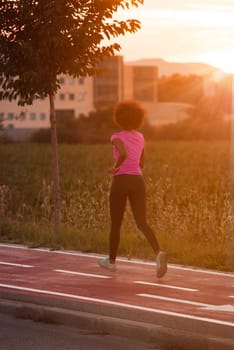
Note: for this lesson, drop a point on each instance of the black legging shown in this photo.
(130, 187)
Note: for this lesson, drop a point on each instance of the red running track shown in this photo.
(183, 292)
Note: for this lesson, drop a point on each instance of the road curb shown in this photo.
(169, 338)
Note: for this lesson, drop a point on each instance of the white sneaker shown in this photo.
(105, 264)
(161, 261)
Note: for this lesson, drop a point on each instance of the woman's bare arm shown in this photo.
(142, 159)
(122, 154)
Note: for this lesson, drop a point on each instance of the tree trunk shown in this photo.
(231, 224)
(55, 165)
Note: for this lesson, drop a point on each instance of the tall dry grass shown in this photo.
(189, 200)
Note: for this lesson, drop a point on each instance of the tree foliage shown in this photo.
(41, 39)
(180, 88)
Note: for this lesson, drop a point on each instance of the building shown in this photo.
(109, 82)
(113, 83)
(75, 97)
(118, 81)
(140, 83)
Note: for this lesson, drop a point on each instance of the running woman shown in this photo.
(128, 183)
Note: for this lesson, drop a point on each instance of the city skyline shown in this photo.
(182, 31)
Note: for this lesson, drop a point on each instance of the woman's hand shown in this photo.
(113, 170)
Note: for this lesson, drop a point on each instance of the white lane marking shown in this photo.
(166, 286)
(113, 303)
(229, 308)
(13, 264)
(145, 295)
(82, 274)
(137, 262)
(226, 308)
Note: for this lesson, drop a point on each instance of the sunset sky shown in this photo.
(183, 31)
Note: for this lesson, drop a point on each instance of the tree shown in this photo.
(41, 39)
(180, 88)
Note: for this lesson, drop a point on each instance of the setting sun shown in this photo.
(223, 60)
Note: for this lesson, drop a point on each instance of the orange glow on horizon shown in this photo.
(182, 31)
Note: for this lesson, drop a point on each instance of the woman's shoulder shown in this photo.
(125, 134)
(139, 134)
(116, 135)
(120, 134)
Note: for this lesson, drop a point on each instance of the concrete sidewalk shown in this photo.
(20, 296)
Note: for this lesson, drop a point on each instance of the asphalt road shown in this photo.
(19, 334)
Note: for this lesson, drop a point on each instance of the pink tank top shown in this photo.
(134, 143)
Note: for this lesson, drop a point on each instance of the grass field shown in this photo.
(189, 201)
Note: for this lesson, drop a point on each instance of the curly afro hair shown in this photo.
(129, 115)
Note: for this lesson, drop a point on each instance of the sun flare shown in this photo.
(220, 59)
